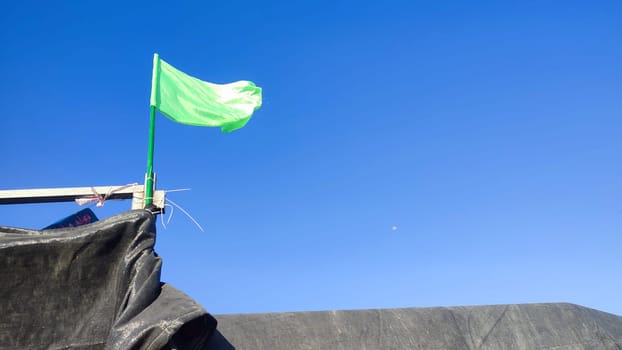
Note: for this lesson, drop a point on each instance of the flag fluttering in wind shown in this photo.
(191, 101)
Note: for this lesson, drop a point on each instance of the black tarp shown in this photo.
(555, 326)
(95, 286)
(98, 286)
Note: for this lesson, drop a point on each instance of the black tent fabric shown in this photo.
(553, 326)
(95, 286)
(98, 286)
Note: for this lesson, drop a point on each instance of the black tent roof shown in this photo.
(98, 286)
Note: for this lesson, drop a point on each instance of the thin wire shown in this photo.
(169, 217)
(171, 214)
(178, 190)
(187, 214)
(165, 191)
(99, 199)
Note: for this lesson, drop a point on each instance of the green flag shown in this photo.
(191, 101)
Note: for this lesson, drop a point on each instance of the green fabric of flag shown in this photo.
(191, 101)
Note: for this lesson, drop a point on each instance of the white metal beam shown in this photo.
(69, 194)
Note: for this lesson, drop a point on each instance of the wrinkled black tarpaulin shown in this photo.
(95, 286)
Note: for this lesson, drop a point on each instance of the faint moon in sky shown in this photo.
(394, 228)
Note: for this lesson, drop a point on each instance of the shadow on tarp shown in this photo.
(95, 286)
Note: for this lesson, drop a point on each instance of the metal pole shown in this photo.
(150, 175)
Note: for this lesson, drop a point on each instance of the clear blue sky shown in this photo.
(486, 133)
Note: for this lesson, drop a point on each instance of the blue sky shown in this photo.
(407, 153)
